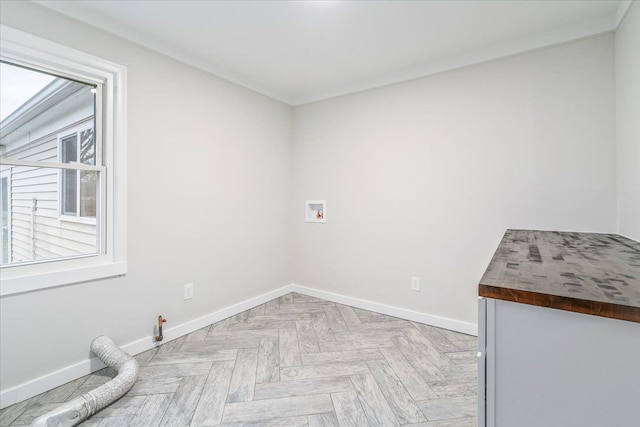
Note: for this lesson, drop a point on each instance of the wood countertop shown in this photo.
(588, 273)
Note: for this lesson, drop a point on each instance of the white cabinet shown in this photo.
(544, 367)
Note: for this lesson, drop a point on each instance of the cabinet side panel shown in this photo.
(490, 363)
(555, 368)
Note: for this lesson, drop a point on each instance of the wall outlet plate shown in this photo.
(188, 291)
(415, 283)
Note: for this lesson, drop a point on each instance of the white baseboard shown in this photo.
(170, 334)
(55, 379)
(403, 313)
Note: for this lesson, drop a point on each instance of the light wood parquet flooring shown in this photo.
(293, 361)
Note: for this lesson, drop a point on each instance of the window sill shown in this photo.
(77, 219)
(20, 279)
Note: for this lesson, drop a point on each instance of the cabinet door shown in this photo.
(556, 368)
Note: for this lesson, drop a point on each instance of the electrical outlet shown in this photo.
(188, 291)
(415, 284)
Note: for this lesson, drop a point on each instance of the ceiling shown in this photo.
(304, 51)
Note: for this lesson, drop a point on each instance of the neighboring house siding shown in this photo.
(54, 237)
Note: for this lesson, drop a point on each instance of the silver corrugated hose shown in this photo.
(81, 408)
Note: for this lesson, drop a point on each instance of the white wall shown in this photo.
(422, 178)
(627, 47)
(208, 197)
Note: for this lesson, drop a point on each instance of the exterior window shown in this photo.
(62, 165)
(5, 212)
(78, 188)
(65, 151)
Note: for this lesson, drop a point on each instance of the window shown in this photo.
(5, 212)
(51, 121)
(63, 146)
(78, 189)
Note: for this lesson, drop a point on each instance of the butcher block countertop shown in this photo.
(590, 273)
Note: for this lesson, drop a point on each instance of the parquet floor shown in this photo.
(294, 361)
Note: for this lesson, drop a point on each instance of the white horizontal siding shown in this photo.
(67, 238)
(51, 221)
(57, 240)
(46, 149)
(20, 253)
(46, 208)
(36, 177)
(20, 187)
(47, 245)
(54, 237)
(20, 244)
(84, 236)
(43, 199)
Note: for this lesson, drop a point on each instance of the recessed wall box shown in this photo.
(315, 211)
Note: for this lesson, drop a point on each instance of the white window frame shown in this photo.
(7, 174)
(25, 49)
(76, 130)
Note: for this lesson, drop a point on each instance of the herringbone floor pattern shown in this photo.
(294, 361)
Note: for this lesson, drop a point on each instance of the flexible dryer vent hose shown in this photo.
(81, 408)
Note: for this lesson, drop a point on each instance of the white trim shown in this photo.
(46, 275)
(69, 373)
(21, 48)
(78, 219)
(621, 12)
(509, 48)
(26, 49)
(55, 379)
(403, 313)
(482, 360)
(596, 26)
(629, 237)
(36, 164)
(208, 319)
